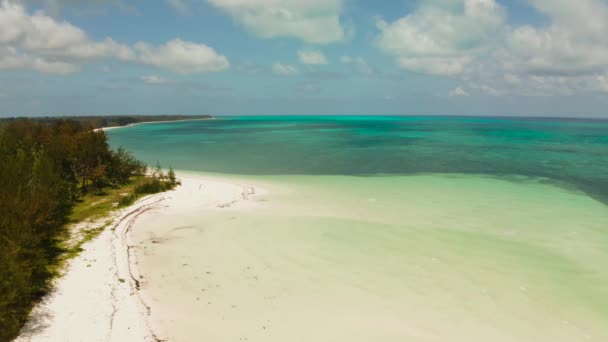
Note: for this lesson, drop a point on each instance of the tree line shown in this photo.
(116, 120)
(45, 167)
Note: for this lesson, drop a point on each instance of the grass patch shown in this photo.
(74, 251)
(94, 206)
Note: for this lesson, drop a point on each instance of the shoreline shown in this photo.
(99, 293)
(148, 122)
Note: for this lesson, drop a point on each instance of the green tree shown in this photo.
(171, 177)
(122, 166)
(92, 151)
(158, 171)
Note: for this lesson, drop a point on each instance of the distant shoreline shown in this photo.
(108, 128)
(110, 121)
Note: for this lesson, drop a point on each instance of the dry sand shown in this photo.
(98, 298)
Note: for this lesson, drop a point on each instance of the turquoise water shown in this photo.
(571, 152)
(408, 228)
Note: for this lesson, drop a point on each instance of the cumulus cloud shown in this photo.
(574, 43)
(458, 91)
(441, 36)
(312, 21)
(472, 40)
(182, 56)
(45, 44)
(312, 57)
(284, 69)
(11, 58)
(42, 43)
(569, 55)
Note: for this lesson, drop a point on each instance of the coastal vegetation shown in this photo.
(52, 174)
(114, 120)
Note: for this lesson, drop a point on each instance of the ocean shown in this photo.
(573, 153)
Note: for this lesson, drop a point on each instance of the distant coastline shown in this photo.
(107, 128)
(113, 121)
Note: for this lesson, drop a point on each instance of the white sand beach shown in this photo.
(98, 298)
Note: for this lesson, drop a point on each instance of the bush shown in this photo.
(150, 186)
(126, 201)
(157, 182)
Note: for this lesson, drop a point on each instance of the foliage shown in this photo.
(157, 182)
(46, 168)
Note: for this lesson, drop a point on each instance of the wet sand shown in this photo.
(417, 258)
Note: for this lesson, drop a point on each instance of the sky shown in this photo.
(301, 57)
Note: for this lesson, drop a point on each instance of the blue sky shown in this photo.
(248, 57)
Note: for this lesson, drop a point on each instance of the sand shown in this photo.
(315, 258)
(98, 298)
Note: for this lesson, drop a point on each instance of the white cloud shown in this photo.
(359, 64)
(312, 57)
(313, 21)
(44, 44)
(435, 65)
(471, 39)
(41, 43)
(569, 55)
(182, 56)
(11, 58)
(284, 69)
(458, 91)
(441, 36)
(153, 79)
(575, 41)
